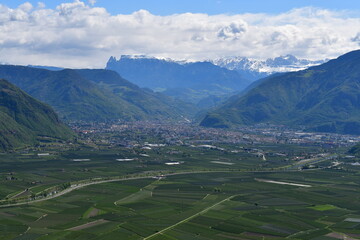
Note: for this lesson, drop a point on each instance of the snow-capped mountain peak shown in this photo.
(249, 68)
(287, 63)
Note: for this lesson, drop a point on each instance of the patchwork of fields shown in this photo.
(317, 204)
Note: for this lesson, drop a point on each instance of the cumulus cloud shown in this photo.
(233, 30)
(26, 7)
(77, 34)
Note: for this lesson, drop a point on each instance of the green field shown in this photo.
(203, 200)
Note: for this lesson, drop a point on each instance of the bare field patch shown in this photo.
(88, 225)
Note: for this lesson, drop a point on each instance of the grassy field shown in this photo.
(218, 205)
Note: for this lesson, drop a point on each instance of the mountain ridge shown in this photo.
(322, 98)
(75, 97)
(185, 81)
(255, 69)
(24, 119)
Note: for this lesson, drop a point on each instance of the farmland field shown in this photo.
(196, 199)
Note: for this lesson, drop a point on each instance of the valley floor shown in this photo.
(260, 190)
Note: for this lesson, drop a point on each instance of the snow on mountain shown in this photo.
(146, 57)
(261, 68)
(251, 69)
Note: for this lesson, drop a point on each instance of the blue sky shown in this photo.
(167, 7)
(85, 33)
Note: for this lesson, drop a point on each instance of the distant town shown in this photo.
(130, 134)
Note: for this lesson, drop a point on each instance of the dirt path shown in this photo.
(41, 217)
(282, 183)
(20, 194)
(189, 218)
(144, 192)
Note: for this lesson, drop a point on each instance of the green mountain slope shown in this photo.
(150, 104)
(325, 98)
(79, 96)
(23, 119)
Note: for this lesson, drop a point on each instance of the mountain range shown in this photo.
(254, 69)
(24, 120)
(324, 98)
(190, 82)
(206, 84)
(320, 98)
(94, 95)
(147, 104)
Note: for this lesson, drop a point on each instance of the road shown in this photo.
(70, 189)
(292, 168)
(81, 185)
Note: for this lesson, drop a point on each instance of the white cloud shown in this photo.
(233, 30)
(26, 7)
(41, 5)
(92, 2)
(79, 35)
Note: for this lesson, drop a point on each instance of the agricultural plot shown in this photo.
(209, 200)
(194, 206)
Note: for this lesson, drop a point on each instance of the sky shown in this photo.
(85, 33)
(211, 7)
